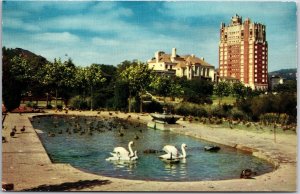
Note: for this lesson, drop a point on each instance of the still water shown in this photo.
(85, 143)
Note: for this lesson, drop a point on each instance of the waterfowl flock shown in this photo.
(88, 126)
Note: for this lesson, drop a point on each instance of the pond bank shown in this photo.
(27, 165)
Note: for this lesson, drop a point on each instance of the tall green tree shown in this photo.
(93, 76)
(121, 95)
(138, 76)
(198, 91)
(14, 83)
(60, 77)
(164, 85)
(221, 90)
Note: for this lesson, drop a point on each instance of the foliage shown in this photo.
(218, 111)
(281, 103)
(268, 118)
(165, 86)
(222, 89)
(187, 109)
(240, 91)
(59, 77)
(90, 76)
(21, 72)
(153, 106)
(138, 77)
(121, 94)
(263, 104)
(287, 86)
(237, 114)
(198, 91)
(80, 103)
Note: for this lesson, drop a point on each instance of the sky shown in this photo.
(109, 32)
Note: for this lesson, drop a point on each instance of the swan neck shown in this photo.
(183, 151)
(130, 149)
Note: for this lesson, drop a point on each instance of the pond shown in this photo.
(85, 143)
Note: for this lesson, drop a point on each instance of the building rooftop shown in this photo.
(182, 61)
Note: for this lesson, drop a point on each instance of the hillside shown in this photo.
(288, 74)
(9, 53)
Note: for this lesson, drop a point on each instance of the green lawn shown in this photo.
(43, 103)
(225, 100)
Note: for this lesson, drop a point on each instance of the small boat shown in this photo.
(213, 148)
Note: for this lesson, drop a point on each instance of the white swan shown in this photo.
(123, 153)
(173, 153)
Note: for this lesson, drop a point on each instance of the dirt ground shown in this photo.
(26, 164)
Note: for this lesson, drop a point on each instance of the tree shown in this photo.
(121, 94)
(138, 77)
(93, 76)
(221, 90)
(60, 76)
(287, 86)
(166, 86)
(12, 87)
(198, 91)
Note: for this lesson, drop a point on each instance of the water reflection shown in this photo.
(175, 168)
(120, 164)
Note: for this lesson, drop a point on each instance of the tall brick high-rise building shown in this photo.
(243, 52)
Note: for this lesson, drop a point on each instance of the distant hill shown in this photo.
(9, 53)
(288, 74)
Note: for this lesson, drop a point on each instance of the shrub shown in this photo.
(49, 106)
(186, 109)
(227, 107)
(268, 118)
(237, 114)
(78, 102)
(153, 106)
(29, 104)
(218, 111)
(59, 106)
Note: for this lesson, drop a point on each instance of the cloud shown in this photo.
(108, 6)
(110, 32)
(64, 37)
(104, 42)
(18, 24)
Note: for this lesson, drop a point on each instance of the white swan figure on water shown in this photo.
(172, 153)
(122, 153)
